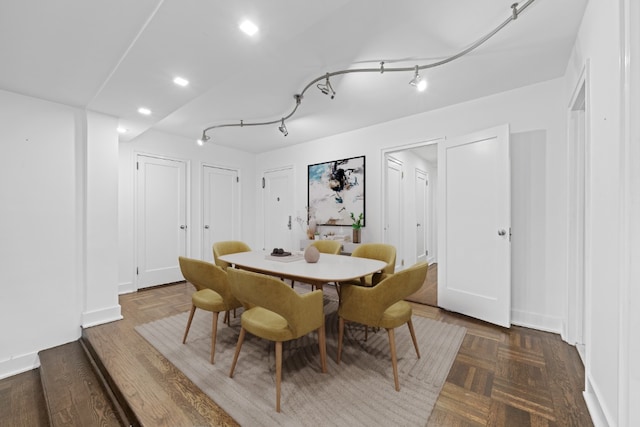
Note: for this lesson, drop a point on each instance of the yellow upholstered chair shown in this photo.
(228, 247)
(382, 306)
(212, 293)
(379, 251)
(277, 313)
(327, 246)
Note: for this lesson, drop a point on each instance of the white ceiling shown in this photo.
(115, 56)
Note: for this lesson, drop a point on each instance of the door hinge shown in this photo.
(137, 166)
(137, 271)
(402, 263)
(402, 175)
(426, 253)
(426, 182)
(237, 179)
(263, 182)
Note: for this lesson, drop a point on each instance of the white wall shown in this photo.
(162, 144)
(534, 108)
(599, 42)
(44, 245)
(101, 204)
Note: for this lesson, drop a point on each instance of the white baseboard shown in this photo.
(19, 364)
(98, 317)
(126, 288)
(595, 410)
(536, 321)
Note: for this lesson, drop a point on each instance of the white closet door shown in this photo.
(394, 224)
(220, 207)
(474, 251)
(422, 220)
(161, 220)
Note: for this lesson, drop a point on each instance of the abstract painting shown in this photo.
(337, 189)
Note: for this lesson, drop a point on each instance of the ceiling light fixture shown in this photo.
(326, 87)
(144, 111)
(283, 128)
(120, 129)
(181, 82)
(200, 141)
(248, 27)
(418, 81)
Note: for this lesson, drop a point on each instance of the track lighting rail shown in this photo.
(327, 89)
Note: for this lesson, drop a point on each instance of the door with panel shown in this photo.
(278, 209)
(161, 219)
(220, 207)
(394, 212)
(474, 251)
(422, 220)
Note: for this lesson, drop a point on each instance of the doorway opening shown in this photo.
(410, 212)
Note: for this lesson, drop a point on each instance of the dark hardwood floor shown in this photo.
(501, 377)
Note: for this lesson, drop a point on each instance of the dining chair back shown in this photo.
(228, 247)
(382, 306)
(380, 251)
(277, 313)
(213, 293)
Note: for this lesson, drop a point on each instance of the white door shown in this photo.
(161, 220)
(421, 186)
(278, 209)
(474, 258)
(220, 207)
(393, 230)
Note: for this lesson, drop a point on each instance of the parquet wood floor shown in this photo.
(500, 377)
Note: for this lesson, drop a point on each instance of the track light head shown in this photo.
(417, 81)
(326, 88)
(283, 128)
(204, 138)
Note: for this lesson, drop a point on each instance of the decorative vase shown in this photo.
(311, 254)
(356, 235)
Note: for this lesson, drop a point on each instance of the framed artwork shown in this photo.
(336, 190)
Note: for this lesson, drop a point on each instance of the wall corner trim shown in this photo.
(98, 317)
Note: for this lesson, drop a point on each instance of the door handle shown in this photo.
(502, 232)
(183, 227)
(418, 225)
(206, 227)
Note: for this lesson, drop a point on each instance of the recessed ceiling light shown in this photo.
(121, 129)
(248, 27)
(144, 111)
(181, 82)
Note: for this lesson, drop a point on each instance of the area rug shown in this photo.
(358, 391)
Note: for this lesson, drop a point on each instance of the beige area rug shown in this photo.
(359, 391)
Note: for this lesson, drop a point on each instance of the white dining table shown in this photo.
(329, 268)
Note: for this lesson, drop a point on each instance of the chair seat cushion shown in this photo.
(266, 324)
(396, 315)
(207, 299)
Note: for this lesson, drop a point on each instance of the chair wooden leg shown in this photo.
(366, 332)
(278, 373)
(227, 318)
(292, 283)
(214, 332)
(413, 337)
(340, 336)
(186, 332)
(322, 342)
(235, 356)
(394, 358)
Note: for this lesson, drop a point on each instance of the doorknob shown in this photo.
(183, 227)
(502, 232)
(418, 225)
(206, 227)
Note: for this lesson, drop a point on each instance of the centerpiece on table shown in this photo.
(357, 226)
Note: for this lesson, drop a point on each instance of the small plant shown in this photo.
(357, 223)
